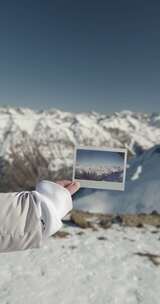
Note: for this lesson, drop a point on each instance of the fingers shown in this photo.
(73, 187)
(64, 182)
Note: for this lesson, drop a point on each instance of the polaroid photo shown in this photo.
(101, 168)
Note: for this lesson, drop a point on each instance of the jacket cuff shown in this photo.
(59, 196)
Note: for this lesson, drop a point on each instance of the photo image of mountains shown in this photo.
(99, 165)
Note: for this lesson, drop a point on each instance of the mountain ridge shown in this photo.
(63, 130)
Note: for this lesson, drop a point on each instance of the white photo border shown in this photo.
(101, 184)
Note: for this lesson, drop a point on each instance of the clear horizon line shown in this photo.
(78, 112)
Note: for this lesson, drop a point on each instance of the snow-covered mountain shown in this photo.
(100, 173)
(59, 131)
(99, 169)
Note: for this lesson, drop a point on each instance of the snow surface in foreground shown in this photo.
(94, 271)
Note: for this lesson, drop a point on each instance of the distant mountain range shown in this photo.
(97, 172)
(57, 132)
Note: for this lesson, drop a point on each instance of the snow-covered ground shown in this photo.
(83, 269)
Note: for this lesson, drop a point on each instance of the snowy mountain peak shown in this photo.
(61, 131)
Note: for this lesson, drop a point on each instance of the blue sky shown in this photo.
(80, 55)
(91, 157)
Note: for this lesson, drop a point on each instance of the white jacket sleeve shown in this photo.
(56, 202)
(20, 225)
(21, 214)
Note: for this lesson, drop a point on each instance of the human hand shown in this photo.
(71, 186)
